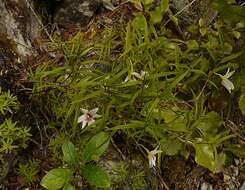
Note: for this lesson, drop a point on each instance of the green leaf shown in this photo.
(96, 146)
(147, 2)
(238, 150)
(179, 125)
(209, 123)
(69, 153)
(157, 14)
(171, 146)
(192, 45)
(69, 187)
(56, 178)
(231, 13)
(205, 156)
(242, 103)
(96, 176)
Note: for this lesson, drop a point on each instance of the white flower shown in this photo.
(88, 117)
(137, 76)
(226, 82)
(152, 157)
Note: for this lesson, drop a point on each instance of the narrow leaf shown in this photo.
(242, 103)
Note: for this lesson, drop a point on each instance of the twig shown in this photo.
(234, 129)
(39, 21)
(117, 149)
(180, 11)
(203, 88)
(41, 137)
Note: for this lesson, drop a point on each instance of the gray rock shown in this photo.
(190, 11)
(18, 23)
(79, 12)
(75, 12)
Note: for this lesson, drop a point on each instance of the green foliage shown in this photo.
(29, 172)
(70, 155)
(229, 12)
(96, 146)
(157, 14)
(146, 84)
(12, 137)
(56, 178)
(7, 102)
(242, 103)
(68, 187)
(238, 150)
(143, 91)
(96, 176)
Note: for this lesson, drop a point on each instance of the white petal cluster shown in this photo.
(152, 157)
(88, 117)
(137, 76)
(226, 82)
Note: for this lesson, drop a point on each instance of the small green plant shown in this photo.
(29, 172)
(12, 137)
(62, 177)
(7, 102)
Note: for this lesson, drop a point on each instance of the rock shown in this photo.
(75, 12)
(190, 11)
(78, 12)
(19, 25)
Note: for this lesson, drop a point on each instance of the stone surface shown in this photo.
(190, 11)
(78, 12)
(18, 24)
(75, 12)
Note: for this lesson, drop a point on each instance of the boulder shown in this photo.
(18, 24)
(75, 12)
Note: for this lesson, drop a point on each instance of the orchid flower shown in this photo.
(88, 117)
(226, 82)
(152, 157)
(137, 76)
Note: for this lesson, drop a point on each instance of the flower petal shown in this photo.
(90, 122)
(229, 74)
(85, 122)
(84, 111)
(228, 85)
(126, 79)
(152, 161)
(96, 116)
(93, 111)
(81, 119)
(156, 152)
(137, 75)
(152, 157)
